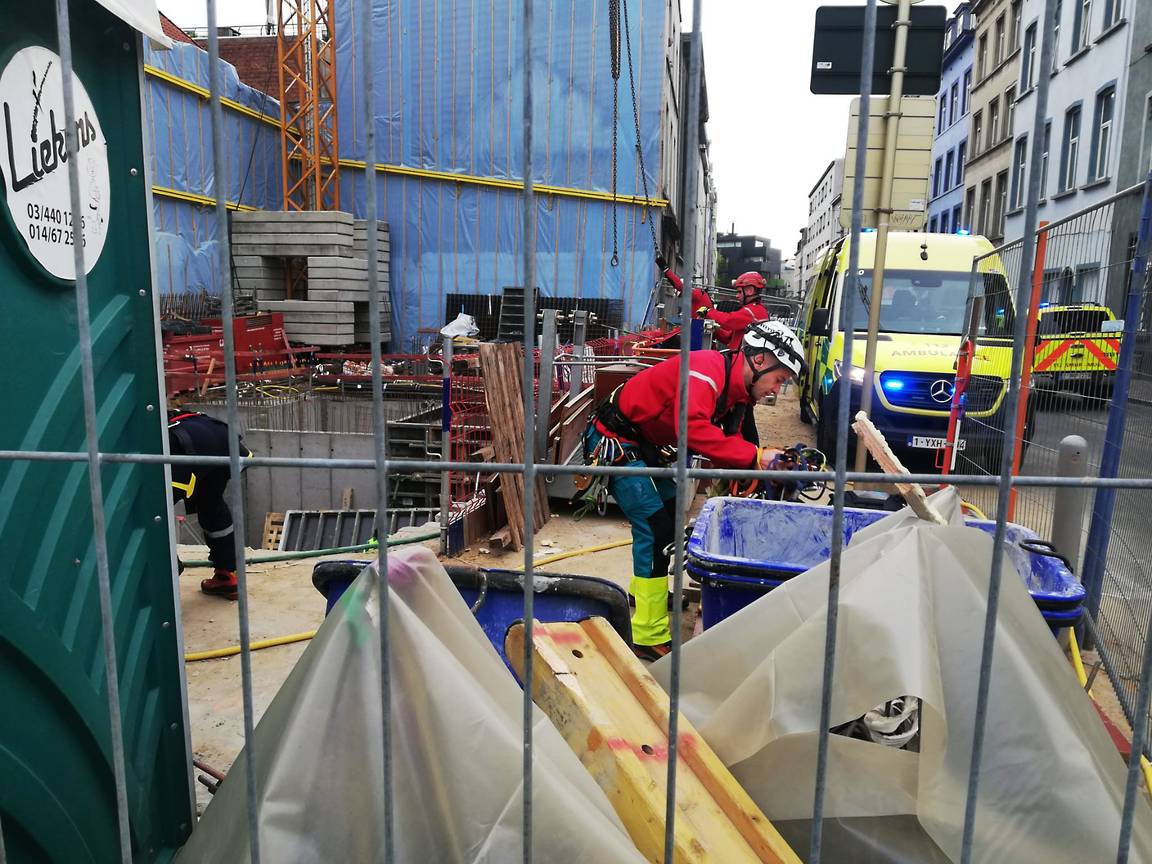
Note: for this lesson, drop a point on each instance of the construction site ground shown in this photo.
(282, 601)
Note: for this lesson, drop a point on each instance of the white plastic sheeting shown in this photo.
(913, 600)
(457, 736)
(141, 15)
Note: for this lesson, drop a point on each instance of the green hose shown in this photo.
(317, 553)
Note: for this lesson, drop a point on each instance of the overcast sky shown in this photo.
(771, 138)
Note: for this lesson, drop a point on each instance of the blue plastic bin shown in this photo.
(559, 597)
(742, 548)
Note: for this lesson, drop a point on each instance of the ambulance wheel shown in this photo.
(826, 430)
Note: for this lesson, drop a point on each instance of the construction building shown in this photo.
(453, 158)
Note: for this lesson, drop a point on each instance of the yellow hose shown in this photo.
(575, 553)
(1082, 677)
(976, 511)
(233, 650)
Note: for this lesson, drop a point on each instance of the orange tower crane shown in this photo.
(309, 144)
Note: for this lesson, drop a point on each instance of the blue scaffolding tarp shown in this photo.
(448, 98)
(180, 142)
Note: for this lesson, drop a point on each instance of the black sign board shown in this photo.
(838, 46)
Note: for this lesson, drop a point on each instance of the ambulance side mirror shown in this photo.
(819, 324)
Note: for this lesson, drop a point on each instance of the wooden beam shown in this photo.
(913, 492)
(614, 716)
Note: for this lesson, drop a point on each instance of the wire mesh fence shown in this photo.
(991, 427)
(1083, 276)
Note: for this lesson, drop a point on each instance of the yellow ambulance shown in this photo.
(1077, 349)
(922, 319)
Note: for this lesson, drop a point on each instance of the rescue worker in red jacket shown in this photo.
(731, 326)
(637, 426)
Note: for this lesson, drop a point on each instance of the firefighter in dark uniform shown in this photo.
(202, 487)
(638, 425)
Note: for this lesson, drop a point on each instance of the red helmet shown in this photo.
(749, 285)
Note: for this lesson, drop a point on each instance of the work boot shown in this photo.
(652, 653)
(650, 618)
(222, 584)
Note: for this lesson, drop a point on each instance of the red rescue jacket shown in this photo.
(732, 324)
(651, 401)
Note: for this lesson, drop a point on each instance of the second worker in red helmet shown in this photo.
(731, 325)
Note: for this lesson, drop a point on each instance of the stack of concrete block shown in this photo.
(332, 306)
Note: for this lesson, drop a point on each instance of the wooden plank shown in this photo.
(913, 492)
(614, 715)
(501, 538)
(501, 366)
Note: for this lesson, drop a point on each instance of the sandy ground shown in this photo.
(283, 601)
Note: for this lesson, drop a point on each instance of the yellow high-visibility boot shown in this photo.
(650, 620)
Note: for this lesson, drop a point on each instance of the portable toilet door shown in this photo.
(57, 790)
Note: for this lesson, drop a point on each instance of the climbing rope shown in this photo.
(614, 49)
(636, 120)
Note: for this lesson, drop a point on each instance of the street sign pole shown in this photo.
(884, 213)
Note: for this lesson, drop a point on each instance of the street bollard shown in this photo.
(1069, 501)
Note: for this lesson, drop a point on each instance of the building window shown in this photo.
(1028, 70)
(957, 217)
(982, 58)
(967, 92)
(1014, 37)
(1001, 33)
(1047, 145)
(1070, 151)
(1010, 110)
(1019, 160)
(960, 154)
(1056, 35)
(970, 206)
(977, 131)
(1102, 133)
(986, 206)
(949, 161)
(994, 122)
(938, 177)
(942, 115)
(1081, 24)
(1001, 201)
(1112, 12)
(944, 222)
(953, 103)
(933, 225)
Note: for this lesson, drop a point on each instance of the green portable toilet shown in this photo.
(57, 792)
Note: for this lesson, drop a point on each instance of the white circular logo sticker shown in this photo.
(34, 162)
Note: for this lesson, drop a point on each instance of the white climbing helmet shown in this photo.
(779, 340)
